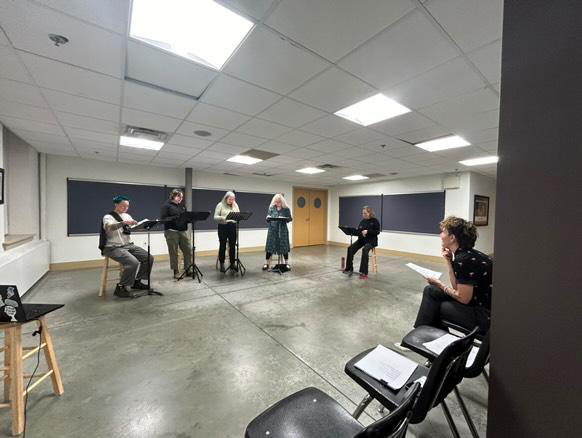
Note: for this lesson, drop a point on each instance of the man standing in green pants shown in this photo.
(176, 231)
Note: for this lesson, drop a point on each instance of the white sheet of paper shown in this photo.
(387, 366)
(139, 223)
(438, 345)
(426, 273)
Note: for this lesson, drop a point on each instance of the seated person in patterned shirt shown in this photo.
(467, 302)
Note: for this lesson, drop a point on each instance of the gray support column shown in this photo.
(536, 348)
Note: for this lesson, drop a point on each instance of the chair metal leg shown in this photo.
(362, 406)
(450, 420)
(465, 412)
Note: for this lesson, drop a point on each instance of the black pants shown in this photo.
(285, 256)
(226, 232)
(353, 249)
(437, 306)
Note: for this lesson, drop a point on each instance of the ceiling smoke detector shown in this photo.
(58, 39)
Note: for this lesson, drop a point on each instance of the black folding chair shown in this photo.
(420, 335)
(311, 413)
(442, 377)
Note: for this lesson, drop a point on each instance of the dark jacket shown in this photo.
(373, 227)
(171, 210)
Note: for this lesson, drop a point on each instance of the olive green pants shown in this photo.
(175, 240)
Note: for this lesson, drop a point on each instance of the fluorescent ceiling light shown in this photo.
(478, 161)
(200, 30)
(372, 110)
(310, 170)
(440, 144)
(244, 159)
(355, 177)
(140, 143)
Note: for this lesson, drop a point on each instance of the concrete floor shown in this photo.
(205, 359)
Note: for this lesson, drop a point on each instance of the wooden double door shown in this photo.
(309, 217)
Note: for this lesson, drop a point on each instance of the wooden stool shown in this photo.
(105, 275)
(374, 261)
(14, 356)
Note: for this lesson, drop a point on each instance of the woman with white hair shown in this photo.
(278, 234)
(226, 228)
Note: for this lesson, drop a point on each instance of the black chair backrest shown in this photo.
(445, 373)
(395, 424)
(481, 359)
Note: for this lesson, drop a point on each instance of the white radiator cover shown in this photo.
(25, 264)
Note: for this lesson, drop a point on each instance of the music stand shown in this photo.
(193, 217)
(349, 231)
(237, 217)
(148, 225)
(280, 267)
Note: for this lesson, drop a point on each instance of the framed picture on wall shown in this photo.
(1, 186)
(481, 211)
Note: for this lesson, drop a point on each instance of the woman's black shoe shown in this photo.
(122, 292)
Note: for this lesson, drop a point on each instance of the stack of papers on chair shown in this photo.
(426, 273)
(438, 345)
(387, 366)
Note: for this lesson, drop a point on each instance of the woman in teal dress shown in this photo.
(278, 234)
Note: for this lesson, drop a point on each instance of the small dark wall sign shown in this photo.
(481, 211)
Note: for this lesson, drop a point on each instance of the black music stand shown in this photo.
(349, 231)
(148, 225)
(238, 216)
(193, 217)
(280, 267)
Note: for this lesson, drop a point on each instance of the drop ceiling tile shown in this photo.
(154, 66)
(424, 134)
(459, 106)
(188, 129)
(412, 46)
(268, 60)
(75, 133)
(483, 135)
(245, 140)
(28, 25)
(305, 153)
(142, 119)
(474, 122)
(153, 100)
(27, 112)
(215, 116)
(333, 28)
(277, 147)
(330, 126)
(291, 113)
(30, 125)
(262, 128)
(88, 123)
(443, 82)
(227, 149)
(403, 123)
(360, 136)
(35, 136)
(218, 156)
(19, 92)
(11, 67)
(180, 150)
(471, 23)
(3, 40)
(238, 96)
(110, 14)
(299, 138)
(333, 90)
(329, 146)
(79, 105)
(488, 61)
(188, 142)
(74, 80)
(350, 153)
(84, 144)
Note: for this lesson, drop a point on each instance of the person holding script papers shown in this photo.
(226, 228)
(467, 302)
(176, 230)
(278, 234)
(115, 243)
(368, 231)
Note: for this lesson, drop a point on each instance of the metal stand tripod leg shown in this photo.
(196, 272)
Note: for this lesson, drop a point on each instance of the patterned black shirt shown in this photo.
(475, 268)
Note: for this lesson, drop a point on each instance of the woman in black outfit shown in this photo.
(368, 229)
